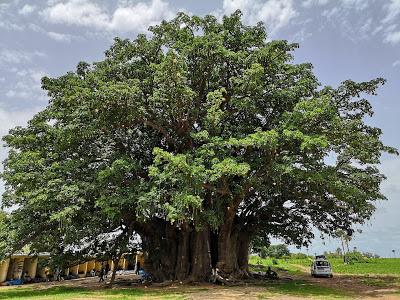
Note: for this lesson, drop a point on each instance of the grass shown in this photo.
(378, 273)
(377, 266)
(295, 288)
(30, 293)
(260, 264)
(381, 282)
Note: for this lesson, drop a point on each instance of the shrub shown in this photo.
(274, 251)
(299, 256)
(356, 257)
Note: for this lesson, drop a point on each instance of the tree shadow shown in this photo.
(25, 292)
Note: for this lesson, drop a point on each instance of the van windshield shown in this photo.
(322, 263)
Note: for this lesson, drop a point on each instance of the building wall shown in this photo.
(98, 265)
(15, 268)
(82, 269)
(4, 269)
(30, 266)
(91, 265)
(74, 270)
(42, 270)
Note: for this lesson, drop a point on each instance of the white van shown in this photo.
(321, 267)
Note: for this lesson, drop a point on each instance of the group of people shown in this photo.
(105, 270)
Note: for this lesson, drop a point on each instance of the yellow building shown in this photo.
(18, 265)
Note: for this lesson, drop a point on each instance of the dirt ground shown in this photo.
(359, 287)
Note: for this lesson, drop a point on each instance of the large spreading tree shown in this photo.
(199, 137)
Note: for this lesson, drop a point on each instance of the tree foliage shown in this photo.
(274, 251)
(199, 137)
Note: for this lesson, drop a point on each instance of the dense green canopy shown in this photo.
(201, 135)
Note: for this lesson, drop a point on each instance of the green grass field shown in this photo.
(58, 293)
(376, 266)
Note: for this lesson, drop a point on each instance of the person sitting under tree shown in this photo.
(270, 273)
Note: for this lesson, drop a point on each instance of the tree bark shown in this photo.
(243, 245)
(114, 271)
(190, 254)
(160, 249)
(182, 268)
(201, 256)
(227, 262)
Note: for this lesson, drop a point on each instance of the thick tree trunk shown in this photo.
(227, 239)
(188, 254)
(182, 268)
(201, 256)
(160, 243)
(243, 245)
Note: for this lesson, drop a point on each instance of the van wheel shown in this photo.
(331, 276)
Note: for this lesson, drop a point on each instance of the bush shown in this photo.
(357, 257)
(275, 251)
(299, 256)
(263, 252)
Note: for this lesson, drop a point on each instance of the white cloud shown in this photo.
(126, 17)
(354, 19)
(77, 12)
(390, 167)
(346, 4)
(140, 16)
(392, 37)
(274, 13)
(389, 22)
(331, 13)
(59, 37)
(10, 119)
(309, 3)
(6, 18)
(10, 26)
(17, 57)
(27, 86)
(27, 10)
(396, 63)
(356, 4)
(393, 10)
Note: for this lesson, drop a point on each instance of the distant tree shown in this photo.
(299, 255)
(370, 255)
(345, 238)
(274, 251)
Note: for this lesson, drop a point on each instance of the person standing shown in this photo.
(107, 270)
(101, 274)
(137, 267)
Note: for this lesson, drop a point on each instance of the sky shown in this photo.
(343, 39)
